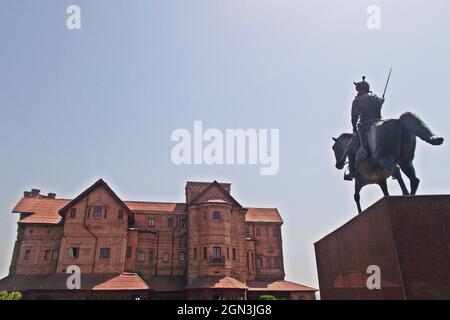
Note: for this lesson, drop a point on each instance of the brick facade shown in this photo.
(208, 247)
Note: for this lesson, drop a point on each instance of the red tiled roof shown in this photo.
(263, 215)
(278, 285)
(20, 282)
(42, 210)
(166, 283)
(155, 206)
(50, 211)
(45, 210)
(123, 281)
(216, 282)
(100, 281)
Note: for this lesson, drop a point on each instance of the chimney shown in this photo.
(35, 192)
(27, 194)
(51, 195)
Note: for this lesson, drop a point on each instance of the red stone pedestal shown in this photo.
(407, 237)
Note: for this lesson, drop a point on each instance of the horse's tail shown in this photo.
(414, 125)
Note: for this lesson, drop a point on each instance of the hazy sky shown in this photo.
(103, 101)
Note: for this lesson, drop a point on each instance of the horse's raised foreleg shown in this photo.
(356, 196)
(410, 171)
(384, 187)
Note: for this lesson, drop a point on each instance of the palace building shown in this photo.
(209, 247)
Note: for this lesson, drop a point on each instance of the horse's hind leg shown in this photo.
(398, 176)
(389, 164)
(410, 171)
(384, 187)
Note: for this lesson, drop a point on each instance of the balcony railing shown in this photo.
(217, 260)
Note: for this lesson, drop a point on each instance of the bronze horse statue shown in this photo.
(391, 145)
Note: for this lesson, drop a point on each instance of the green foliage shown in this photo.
(13, 295)
(267, 297)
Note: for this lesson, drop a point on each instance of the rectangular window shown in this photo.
(205, 253)
(216, 215)
(151, 222)
(183, 223)
(234, 254)
(258, 231)
(194, 253)
(151, 256)
(166, 257)
(258, 262)
(275, 232)
(97, 212)
(268, 262)
(248, 260)
(105, 253)
(270, 249)
(73, 213)
(47, 254)
(120, 215)
(182, 243)
(217, 253)
(128, 254)
(277, 263)
(141, 256)
(182, 256)
(55, 254)
(170, 222)
(228, 253)
(27, 254)
(74, 253)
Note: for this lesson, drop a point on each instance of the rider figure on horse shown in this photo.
(366, 110)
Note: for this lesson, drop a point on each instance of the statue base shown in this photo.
(407, 237)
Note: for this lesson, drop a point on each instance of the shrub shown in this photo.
(267, 297)
(13, 295)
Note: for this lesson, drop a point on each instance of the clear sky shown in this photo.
(103, 101)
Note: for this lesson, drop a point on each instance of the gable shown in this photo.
(99, 190)
(215, 193)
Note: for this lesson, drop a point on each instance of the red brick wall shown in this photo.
(268, 249)
(38, 239)
(90, 234)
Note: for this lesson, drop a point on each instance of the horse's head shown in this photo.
(339, 148)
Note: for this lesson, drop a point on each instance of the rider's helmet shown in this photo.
(362, 86)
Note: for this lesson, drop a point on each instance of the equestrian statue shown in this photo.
(377, 148)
